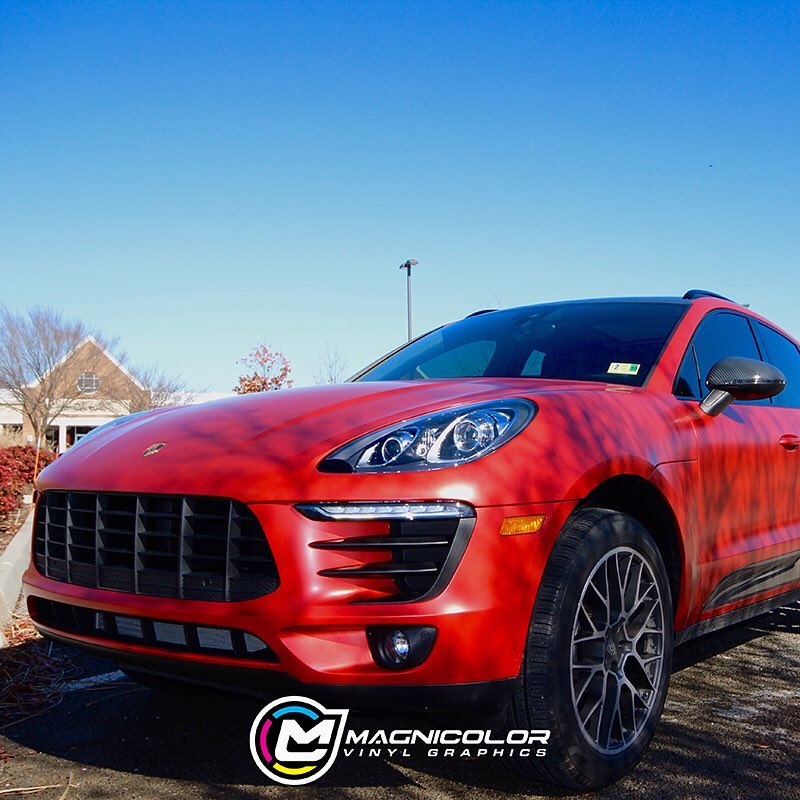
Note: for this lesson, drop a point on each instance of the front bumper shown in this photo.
(486, 697)
(316, 625)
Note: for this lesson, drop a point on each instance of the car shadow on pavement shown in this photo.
(729, 730)
(786, 619)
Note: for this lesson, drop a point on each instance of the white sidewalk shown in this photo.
(13, 563)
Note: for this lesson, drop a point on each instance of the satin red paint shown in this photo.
(729, 484)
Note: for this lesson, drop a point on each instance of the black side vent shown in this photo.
(422, 555)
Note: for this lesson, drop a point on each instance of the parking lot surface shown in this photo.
(731, 729)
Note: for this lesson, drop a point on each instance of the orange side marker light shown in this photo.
(512, 526)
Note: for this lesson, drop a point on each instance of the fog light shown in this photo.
(401, 648)
(397, 645)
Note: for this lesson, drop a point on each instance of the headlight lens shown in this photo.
(444, 439)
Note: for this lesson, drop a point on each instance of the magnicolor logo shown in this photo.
(295, 740)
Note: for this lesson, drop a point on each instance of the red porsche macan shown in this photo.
(523, 510)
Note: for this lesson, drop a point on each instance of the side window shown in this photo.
(783, 353)
(722, 335)
(687, 383)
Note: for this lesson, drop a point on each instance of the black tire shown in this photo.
(544, 698)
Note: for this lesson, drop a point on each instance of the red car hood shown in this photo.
(261, 446)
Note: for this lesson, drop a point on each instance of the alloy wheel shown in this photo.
(617, 650)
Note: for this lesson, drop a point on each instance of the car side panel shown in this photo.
(679, 482)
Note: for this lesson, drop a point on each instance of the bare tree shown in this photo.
(330, 367)
(33, 350)
(160, 390)
(40, 353)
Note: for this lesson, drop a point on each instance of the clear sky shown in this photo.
(197, 177)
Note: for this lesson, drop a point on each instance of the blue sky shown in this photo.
(197, 177)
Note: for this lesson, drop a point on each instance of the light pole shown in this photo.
(407, 266)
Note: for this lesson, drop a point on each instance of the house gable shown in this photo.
(90, 376)
(96, 374)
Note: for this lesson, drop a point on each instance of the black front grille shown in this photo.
(185, 637)
(198, 548)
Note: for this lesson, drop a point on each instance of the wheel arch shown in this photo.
(644, 501)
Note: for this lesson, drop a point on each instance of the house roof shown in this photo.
(91, 340)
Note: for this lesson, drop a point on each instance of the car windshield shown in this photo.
(613, 341)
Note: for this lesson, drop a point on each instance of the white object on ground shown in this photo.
(12, 565)
(94, 680)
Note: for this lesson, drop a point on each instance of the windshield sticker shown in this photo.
(615, 368)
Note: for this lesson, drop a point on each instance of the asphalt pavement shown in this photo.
(731, 729)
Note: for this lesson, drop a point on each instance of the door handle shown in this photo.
(789, 442)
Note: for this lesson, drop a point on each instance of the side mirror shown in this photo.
(739, 378)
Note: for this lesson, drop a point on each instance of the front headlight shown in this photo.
(443, 439)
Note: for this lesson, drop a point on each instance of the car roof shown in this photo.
(688, 299)
(677, 301)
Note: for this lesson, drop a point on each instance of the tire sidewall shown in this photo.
(604, 532)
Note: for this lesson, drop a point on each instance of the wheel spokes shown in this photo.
(617, 650)
(611, 700)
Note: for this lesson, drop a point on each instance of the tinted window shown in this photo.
(470, 359)
(687, 383)
(721, 336)
(611, 341)
(783, 353)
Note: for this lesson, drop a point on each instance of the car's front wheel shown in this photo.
(599, 652)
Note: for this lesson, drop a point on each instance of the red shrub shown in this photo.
(8, 495)
(24, 457)
(16, 473)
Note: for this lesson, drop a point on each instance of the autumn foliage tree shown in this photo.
(270, 371)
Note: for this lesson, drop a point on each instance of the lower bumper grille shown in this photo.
(199, 548)
(184, 637)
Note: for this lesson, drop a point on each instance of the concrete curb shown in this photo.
(13, 563)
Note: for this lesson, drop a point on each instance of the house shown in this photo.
(94, 388)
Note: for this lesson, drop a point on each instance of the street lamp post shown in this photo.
(407, 266)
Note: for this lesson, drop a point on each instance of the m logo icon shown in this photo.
(295, 740)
